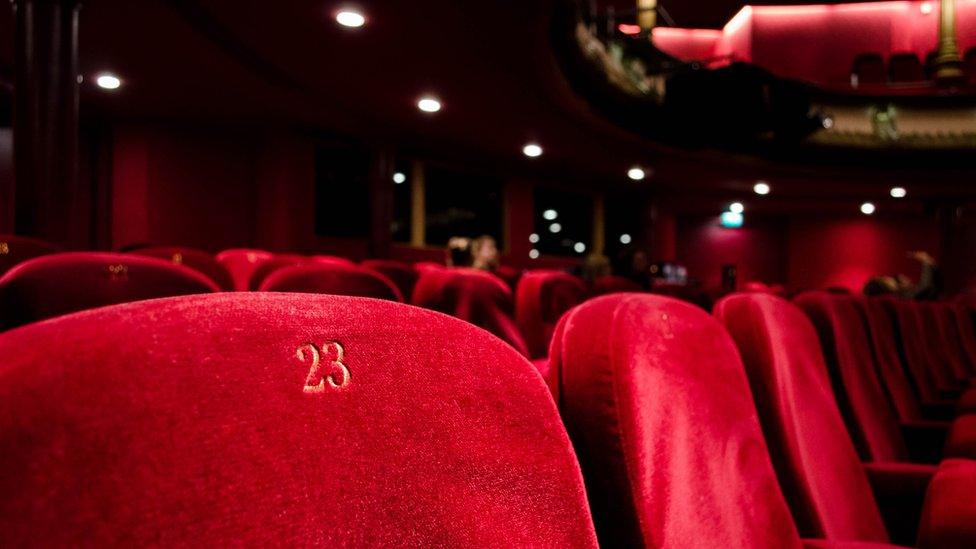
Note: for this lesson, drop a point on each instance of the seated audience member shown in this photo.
(595, 266)
(484, 253)
(634, 264)
(458, 252)
(929, 284)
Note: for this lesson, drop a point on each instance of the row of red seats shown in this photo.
(260, 418)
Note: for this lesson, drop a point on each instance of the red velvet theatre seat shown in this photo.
(15, 249)
(241, 264)
(402, 274)
(540, 299)
(194, 259)
(279, 261)
(257, 419)
(63, 283)
(655, 399)
(472, 295)
(931, 378)
(825, 484)
(334, 279)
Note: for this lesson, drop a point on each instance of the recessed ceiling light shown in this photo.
(555, 228)
(579, 247)
(635, 173)
(898, 192)
(925, 8)
(625, 238)
(429, 104)
(533, 238)
(532, 150)
(108, 81)
(533, 254)
(350, 18)
(737, 207)
(399, 177)
(867, 208)
(761, 188)
(549, 215)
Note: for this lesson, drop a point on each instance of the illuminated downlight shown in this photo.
(429, 104)
(737, 207)
(550, 215)
(867, 208)
(636, 174)
(898, 192)
(761, 188)
(534, 238)
(625, 238)
(399, 178)
(532, 150)
(351, 19)
(108, 81)
(555, 228)
(533, 254)
(579, 247)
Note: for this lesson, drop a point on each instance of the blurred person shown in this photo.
(929, 283)
(634, 264)
(458, 252)
(484, 253)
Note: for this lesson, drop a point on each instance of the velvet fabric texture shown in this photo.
(241, 264)
(655, 399)
(64, 283)
(541, 298)
(815, 460)
(967, 330)
(611, 284)
(16, 249)
(889, 363)
(472, 295)
(194, 259)
(949, 518)
(940, 344)
(332, 278)
(932, 379)
(945, 320)
(862, 401)
(402, 274)
(259, 419)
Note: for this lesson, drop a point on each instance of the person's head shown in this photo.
(595, 266)
(881, 285)
(484, 253)
(458, 251)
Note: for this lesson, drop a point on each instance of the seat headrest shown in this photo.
(264, 418)
(657, 404)
(332, 278)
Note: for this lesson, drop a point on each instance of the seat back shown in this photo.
(541, 298)
(657, 404)
(333, 279)
(611, 284)
(869, 69)
(472, 295)
(16, 249)
(912, 348)
(402, 274)
(966, 329)
(937, 361)
(850, 363)
(889, 365)
(241, 264)
(194, 259)
(255, 419)
(944, 334)
(63, 283)
(905, 67)
(279, 261)
(818, 468)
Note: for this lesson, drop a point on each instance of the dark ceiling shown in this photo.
(287, 64)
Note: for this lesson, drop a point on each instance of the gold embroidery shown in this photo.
(339, 376)
(4, 248)
(118, 272)
(178, 258)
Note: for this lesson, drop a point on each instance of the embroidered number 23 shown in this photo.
(327, 369)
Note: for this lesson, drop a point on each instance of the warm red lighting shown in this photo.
(629, 29)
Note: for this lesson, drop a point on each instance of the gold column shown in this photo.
(647, 15)
(948, 64)
(418, 207)
(599, 225)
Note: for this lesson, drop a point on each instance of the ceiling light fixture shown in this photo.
(350, 18)
(532, 150)
(533, 254)
(636, 173)
(761, 188)
(429, 104)
(108, 81)
(555, 228)
(399, 178)
(579, 247)
(625, 238)
(737, 207)
(867, 208)
(898, 192)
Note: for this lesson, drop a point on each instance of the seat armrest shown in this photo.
(899, 489)
(949, 516)
(925, 440)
